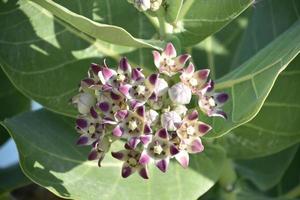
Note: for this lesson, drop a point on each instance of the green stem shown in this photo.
(162, 23)
(293, 193)
(227, 181)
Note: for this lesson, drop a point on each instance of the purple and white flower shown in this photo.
(149, 112)
(167, 62)
(211, 102)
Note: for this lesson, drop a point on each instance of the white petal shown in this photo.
(180, 94)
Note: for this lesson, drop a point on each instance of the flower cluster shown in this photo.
(144, 5)
(148, 112)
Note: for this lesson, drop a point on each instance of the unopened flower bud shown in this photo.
(180, 110)
(84, 102)
(170, 120)
(152, 116)
(161, 87)
(180, 94)
(142, 5)
(155, 4)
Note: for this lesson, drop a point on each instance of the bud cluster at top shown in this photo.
(148, 112)
(144, 5)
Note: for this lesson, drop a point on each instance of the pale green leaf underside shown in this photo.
(201, 18)
(47, 61)
(276, 126)
(249, 85)
(108, 33)
(48, 156)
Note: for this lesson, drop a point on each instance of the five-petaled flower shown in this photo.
(149, 112)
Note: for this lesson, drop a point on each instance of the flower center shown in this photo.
(132, 125)
(157, 149)
(190, 130)
(193, 82)
(120, 77)
(141, 89)
(92, 129)
(132, 162)
(211, 102)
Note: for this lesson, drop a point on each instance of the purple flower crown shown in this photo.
(147, 111)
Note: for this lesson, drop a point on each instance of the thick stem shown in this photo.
(162, 23)
(227, 180)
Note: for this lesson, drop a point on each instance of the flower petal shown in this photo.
(133, 142)
(126, 171)
(93, 113)
(124, 89)
(203, 128)
(183, 158)
(143, 172)
(170, 51)
(95, 68)
(193, 115)
(93, 155)
(163, 164)
(141, 111)
(118, 131)
(173, 150)
(145, 139)
(81, 123)
(145, 158)
(124, 65)
(104, 106)
(162, 133)
(221, 98)
(156, 56)
(137, 74)
(120, 155)
(181, 60)
(196, 146)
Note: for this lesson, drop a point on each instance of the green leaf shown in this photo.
(12, 102)
(269, 20)
(48, 156)
(11, 178)
(47, 61)
(201, 18)
(266, 172)
(173, 8)
(249, 85)
(276, 126)
(108, 33)
(245, 36)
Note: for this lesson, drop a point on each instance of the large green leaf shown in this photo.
(49, 157)
(201, 18)
(249, 85)
(245, 36)
(266, 172)
(109, 33)
(268, 21)
(11, 178)
(12, 102)
(276, 126)
(47, 61)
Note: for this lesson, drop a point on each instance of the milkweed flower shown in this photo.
(167, 62)
(148, 112)
(211, 102)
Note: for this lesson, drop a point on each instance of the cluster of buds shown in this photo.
(144, 5)
(148, 112)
